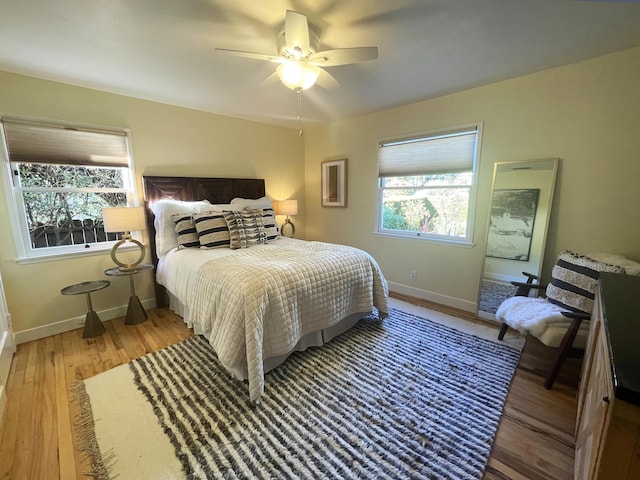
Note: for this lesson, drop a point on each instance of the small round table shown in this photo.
(135, 310)
(93, 327)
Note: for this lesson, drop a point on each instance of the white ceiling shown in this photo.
(163, 50)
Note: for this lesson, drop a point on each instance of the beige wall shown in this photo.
(166, 140)
(586, 114)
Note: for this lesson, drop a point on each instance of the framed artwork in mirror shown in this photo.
(513, 213)
(334, 183)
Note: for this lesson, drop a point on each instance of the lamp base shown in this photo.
(127, 266)
(290, 226)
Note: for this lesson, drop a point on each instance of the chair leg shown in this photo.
(563, 352)
(503, 330)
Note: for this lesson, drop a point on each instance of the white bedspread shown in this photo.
(257, 303)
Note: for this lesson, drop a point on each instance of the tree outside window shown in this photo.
(63, 203)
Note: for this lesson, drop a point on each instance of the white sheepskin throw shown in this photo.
(530, 315)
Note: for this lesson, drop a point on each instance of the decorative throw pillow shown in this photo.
(269, 222)
(246, 228)
(212, 230)
(163, 210)
(574, 281)
(186, 230)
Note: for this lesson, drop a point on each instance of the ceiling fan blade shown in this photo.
(256, 56)
(326, 80)
(296, 31)
(271, 79)
(343, 56)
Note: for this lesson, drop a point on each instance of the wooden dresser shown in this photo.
(608, 423)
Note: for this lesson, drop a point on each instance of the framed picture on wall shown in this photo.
(513, 214)
(334, 183)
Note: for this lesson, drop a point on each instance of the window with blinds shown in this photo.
(426, 185)
(60, 179)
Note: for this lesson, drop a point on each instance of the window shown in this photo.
(426, 185)
(58, 179)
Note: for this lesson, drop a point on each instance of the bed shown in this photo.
(257, 296)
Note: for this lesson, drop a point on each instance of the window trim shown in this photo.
(473, 190)
(27, 254)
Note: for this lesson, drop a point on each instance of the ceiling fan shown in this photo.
(298, 59)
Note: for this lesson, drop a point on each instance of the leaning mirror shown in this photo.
(520, 208)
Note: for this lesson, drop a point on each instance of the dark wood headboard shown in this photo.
(216, 190)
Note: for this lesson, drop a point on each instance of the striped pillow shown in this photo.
(246, 228)
(212, 230)
(269, 222)
(186, 230)
(574, 281)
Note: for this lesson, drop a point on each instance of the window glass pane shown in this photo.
(438, 211)
(67, 176)
(68, 218)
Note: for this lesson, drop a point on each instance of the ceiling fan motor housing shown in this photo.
(288, 50)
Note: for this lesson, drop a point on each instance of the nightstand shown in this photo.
(93, 327)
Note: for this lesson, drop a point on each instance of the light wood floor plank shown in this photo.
(66, 460)
(44, 420)
(27, 408)
(534, 440)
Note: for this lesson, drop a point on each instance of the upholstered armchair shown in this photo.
(558, 315)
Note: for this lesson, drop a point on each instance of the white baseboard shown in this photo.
(62, 326)
(7, 349)
(453, 302)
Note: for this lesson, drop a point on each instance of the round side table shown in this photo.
(135, 311)
(93, 327)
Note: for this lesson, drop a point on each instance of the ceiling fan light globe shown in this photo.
(298, 74)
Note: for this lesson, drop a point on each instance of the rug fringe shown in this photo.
(86, 435)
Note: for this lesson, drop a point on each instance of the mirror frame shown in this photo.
(540, 225)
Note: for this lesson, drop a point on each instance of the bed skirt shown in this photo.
(313, 339)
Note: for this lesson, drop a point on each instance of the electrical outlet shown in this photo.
(413, 275)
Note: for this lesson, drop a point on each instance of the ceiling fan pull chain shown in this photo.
(299, 101)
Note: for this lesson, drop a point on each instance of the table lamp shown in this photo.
(125, 220)
(287, 207)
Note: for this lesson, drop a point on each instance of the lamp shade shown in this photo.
(123, 219)
(287, 207)
(297, 74)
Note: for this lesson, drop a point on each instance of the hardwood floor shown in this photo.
(534, 439)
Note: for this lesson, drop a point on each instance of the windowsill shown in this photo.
(418, 238)
(52, 257)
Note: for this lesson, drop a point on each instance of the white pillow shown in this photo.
(263, 202)
(630, 267)
(166, 236)
(222, 207)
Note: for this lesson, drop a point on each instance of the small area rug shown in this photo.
(402, 398)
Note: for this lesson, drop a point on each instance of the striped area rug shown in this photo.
(405, 398)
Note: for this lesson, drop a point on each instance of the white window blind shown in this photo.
(449, 152)
(52, 144)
